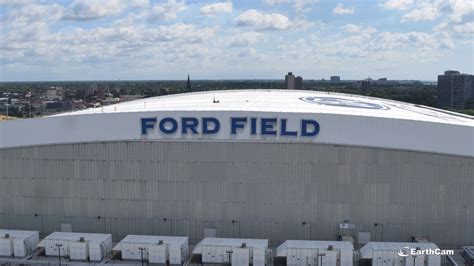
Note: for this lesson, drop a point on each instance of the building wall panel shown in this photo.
(278, 191)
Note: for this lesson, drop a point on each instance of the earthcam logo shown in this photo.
(403, 252)
(343, 102)
(407, 251)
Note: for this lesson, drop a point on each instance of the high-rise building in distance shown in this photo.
(453, 89)
(292, 82)
(365, 84)
(335, 79)
(298, 83)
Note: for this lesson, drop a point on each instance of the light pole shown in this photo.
(414, 256)
(381, 227)
(171, 225)
(141, 253)
(105, 222)
(321, 255)
(304, 223)
(229, 252)
(238, 222)
(59, 252)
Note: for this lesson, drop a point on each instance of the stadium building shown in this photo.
(268, 164)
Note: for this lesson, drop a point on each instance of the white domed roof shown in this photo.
(292, 101)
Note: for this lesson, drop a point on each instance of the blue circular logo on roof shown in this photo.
(343, 102)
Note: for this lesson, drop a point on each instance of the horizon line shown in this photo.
(263, 79)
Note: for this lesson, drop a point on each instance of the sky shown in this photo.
(246, 39)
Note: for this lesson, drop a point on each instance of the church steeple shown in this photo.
(188, 85)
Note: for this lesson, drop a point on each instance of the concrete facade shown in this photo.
(278, 191)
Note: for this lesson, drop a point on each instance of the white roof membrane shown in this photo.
(294, 101)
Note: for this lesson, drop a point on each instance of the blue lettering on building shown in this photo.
(268, 126)
(253, 126)
(189, 123)
(237, 123)
(214, 128)
(265, 126)
(285, 131)
(309, 128)
(168, 125)
(148, 123)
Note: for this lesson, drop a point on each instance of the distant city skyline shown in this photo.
(45, 40)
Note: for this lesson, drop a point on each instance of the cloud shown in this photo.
(31, 13)
(455, 11)
(393, 40)
(341, 10)
(93, 9)
(383, 49)
(351, 28)
(467, 28)
(213, 9)
(14, 2)
(300, 6)
(248, 52)
(133, 35)
(425, 12)
(27, 23)
(167, 11)
(263, 21)
(458, 11)
(275, 2)
(139, 3)
(397, 4)
(455, 14)
(302, 24)
(154, 37)
(243, 39)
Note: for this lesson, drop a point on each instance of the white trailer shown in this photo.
(401, 254)
(17, 243)
(307, 252)
(236, 251)
(77, 246)
(154, 249)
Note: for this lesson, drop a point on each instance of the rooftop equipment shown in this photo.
(420, 239)
(236, 251)
(17, 243)
(77, 246)
(469, 253)
(304, 252)
(154, 249)
(400, 253)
